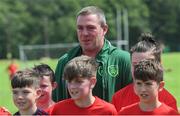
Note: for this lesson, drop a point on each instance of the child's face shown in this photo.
(80, 88)
(25, 98)
(46, 87)
(147, 90)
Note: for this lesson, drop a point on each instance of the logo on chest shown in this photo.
(111, 70)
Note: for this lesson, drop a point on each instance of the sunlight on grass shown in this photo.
(170, 62)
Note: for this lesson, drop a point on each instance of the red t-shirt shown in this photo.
(68, 107)
(134, 109)
(12, 69)
(127, 96)
(4, 112)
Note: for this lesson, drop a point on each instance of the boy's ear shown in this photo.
(93, 82)
(38, 92)
(161, 85)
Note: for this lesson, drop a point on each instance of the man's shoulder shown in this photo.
(70, 54)
(118, 53)
(114, 49)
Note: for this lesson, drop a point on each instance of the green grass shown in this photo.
(170, 62)
(5, 89)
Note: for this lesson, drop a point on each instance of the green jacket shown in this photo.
(114, 72)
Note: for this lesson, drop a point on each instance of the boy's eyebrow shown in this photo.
(14, 90)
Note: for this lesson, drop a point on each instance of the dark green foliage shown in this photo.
(25, 22)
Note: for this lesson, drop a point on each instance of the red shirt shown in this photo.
(12, 69)
(4, 111)
(134, 109)
(68, 107)
(127, 96)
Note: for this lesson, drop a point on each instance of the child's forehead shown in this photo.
(148, 81)
(45, 77)
(78, 79)
(30, 88)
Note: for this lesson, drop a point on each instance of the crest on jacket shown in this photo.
(113, 70)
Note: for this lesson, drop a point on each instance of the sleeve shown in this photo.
(60, 92)
(114, 100)
(114, 111)
(125, 70)
(168, 99)
(50, 110)
(127, 75)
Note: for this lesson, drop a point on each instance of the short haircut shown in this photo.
(93, 10)
(148, 43)
(25, 78)
(148, 70)
(80, 67)
(45, 70)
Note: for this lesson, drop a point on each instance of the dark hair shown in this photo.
(80, 67)
(93, 10)
(25, 78)
(148, 70)
(147, 43)
(45, 70)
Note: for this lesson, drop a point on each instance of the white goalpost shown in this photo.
(35, 52)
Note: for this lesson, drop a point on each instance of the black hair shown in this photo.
(25, 78)
(147, 43)
(45, 70)
(148, 70)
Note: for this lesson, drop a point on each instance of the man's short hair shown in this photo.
(25, 78)
(80, 67)
(93, 10)
(148, 70)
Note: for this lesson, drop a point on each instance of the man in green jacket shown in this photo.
(114, 71)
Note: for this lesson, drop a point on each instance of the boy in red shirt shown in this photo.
(47, 85)
(148, 81)
(80, 74)
(146, 48)
(12, 68)
(25, 89)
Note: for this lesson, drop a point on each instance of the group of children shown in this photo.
(32, 88)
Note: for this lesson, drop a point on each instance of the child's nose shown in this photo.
(143, 88)
(20, 96)
(73, 85)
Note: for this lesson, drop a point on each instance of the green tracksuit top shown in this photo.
(114, 72)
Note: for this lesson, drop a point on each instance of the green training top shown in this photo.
(114, 72)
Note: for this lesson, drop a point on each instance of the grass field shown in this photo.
(170, 62)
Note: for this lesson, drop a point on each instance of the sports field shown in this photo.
(170, 62)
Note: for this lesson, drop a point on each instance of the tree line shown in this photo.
(32, 22)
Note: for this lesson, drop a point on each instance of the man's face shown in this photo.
(25, 98)
(90, 32)
(138, 56)
(46, 87)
